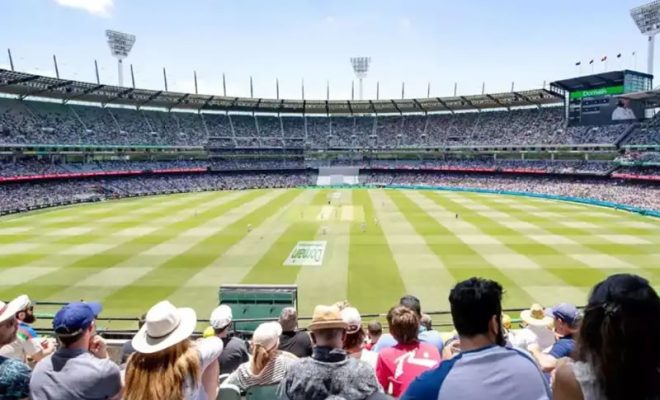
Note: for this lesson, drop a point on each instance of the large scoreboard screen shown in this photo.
(600, 99)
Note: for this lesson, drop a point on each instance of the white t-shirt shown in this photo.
(209, 350)
(622, 114)
(21, 349)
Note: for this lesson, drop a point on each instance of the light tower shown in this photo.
(360, 67)
(647, 18)
(120, 45)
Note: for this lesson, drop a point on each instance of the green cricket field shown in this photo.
(368, 246)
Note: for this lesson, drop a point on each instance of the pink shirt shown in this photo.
(399, 365)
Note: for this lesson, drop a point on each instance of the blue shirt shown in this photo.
(492, 372)
(431, 337)
(562, 347)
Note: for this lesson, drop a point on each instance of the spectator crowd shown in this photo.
(43, 123)
(622, 192)
(607, 351)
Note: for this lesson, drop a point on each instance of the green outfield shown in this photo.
(374, 245)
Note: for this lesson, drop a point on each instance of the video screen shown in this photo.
(604, 110)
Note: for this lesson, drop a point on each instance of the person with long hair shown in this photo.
(397, 366)
(268, 365)
(166, 363)
(618, 347)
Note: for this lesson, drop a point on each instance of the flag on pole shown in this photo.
(578, 63)
(603, 59)
(634, 53)
(591, 62)
(618, 55)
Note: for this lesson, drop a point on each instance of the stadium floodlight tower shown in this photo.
(360, 67)
(647, 18)
(120, 45)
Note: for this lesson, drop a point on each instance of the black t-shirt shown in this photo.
(297, 343)
(234, 353)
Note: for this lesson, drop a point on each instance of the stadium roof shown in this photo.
(651, 98)
(28, 85)
(596, 80)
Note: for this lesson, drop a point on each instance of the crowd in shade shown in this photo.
(622, 192)
(607, 351)
(31, 122)
(32, 166)
(25, 196)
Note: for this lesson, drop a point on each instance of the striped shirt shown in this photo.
(272, 373)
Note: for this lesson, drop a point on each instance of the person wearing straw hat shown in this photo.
(80, 368)
(537, 330)
(268, 364)
(166, 363)
(27, 346)
(14, 374)
(329, 372)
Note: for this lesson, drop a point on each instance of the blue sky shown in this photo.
(416, 41)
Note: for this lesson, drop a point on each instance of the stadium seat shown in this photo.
(265, 392)
(228, 392)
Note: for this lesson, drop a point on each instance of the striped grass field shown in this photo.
(380, 244)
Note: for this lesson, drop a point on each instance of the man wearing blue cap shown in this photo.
(81, 368)
(566, 324)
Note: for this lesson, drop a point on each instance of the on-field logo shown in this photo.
(309, 253)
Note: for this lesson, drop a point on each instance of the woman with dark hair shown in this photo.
(399, 365)
(618, 346)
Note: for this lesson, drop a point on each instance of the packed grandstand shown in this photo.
(65, 142)
(57, 150)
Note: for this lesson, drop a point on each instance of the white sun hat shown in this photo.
(164, 326)
(9, 310)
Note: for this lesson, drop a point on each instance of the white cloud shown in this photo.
(100, 8)
(405, 23)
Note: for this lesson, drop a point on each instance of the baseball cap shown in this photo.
(351, 316)
(565, 312)
(74, 318)
(221, 317)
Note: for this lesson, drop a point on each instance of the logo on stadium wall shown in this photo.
(307, 254)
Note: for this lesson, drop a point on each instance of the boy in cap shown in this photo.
(81, 368)
(235, 351)
(14, 374)
(566, 324)
(329, 372)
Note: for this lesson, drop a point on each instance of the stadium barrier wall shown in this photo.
(581, 200)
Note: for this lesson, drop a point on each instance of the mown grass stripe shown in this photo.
(166, 279)
(372, 270)
(269, 269)
(420, 268)
(573, 273)
(549, 225)
(43, 287)
(461, 260)
(42, 251)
